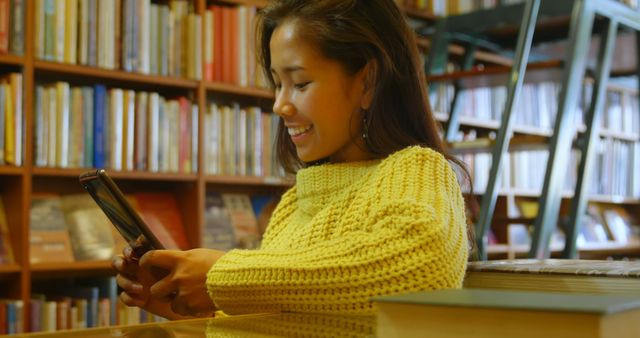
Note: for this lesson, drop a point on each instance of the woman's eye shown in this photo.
(301, 85)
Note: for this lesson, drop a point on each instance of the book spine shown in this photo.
(17, 27)
(98, 125)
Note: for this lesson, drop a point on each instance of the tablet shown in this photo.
(121, 214)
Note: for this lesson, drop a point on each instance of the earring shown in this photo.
(365, 125)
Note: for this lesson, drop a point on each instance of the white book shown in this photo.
(144, 37)
(130, 107)
(63, 122)
(154, 132)
(51, 119)
(116, 127)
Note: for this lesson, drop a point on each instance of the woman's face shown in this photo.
(320, 103)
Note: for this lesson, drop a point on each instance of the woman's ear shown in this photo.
(369, 83)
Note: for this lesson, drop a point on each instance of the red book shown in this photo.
(160, 212)
(218, 15)
(4, 26)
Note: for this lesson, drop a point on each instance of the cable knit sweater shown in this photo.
(346, 232)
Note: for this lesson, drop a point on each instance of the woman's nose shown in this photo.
(283, 106)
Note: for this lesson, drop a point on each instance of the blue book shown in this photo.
(99, 135)
(88, 111)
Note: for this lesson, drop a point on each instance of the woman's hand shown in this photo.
(184, 285)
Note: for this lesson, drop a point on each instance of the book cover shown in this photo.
(91, 233)
(245, 225)
(159, 210)
(506, 313)
(218, 231)
(49, 240)
(6, 251)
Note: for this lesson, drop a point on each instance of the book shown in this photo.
(218, 231)
(49, 240)
(6, 251)
(92, 235)
(506, 313)
(159, 210)
(556, 275)
(245, 225)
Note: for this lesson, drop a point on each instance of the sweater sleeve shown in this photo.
(404, 245)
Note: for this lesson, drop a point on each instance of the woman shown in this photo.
(376, 208)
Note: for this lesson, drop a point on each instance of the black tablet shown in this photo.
(114, 204)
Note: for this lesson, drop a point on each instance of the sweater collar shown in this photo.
(323, 179)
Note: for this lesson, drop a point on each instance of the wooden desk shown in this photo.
(259, 325)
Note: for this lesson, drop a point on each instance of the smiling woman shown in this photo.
(376, 208)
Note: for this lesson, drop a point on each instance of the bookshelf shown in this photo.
(498, 27)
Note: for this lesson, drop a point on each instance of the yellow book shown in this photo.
(59, 32)
(71, 31)
(9, 124)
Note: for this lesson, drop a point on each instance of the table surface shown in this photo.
(258, 325)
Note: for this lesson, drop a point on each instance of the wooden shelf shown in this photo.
(9, 170)
(6, 269)
(248, 180)
(74, 269)
(630, 137)
(485, 144)
(614, 199)
(9, 59)
(238, 90)
(480, 56)
(114, 75)
(496, 75)
(125, 175)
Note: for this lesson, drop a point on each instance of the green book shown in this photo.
(507, 313)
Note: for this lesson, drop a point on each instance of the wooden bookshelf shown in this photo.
(113, 76)
(6, 270)
(124, 175)
(13, 60)
(9, 170)
(219, 87)
(75, 269)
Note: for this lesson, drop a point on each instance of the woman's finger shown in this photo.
(128, 285)
(129, 300)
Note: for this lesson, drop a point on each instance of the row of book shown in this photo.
(11, 120)
(114, 128)
(239, 141)
(132, 35)
(229, 53)
(11, 316)
(236, 220)
(601, 225)
(68, 228)
(614, 171)
(538, 105)
(82, 303)
(12, 15)
(456, 7)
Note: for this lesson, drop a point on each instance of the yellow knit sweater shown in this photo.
(350, 231)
